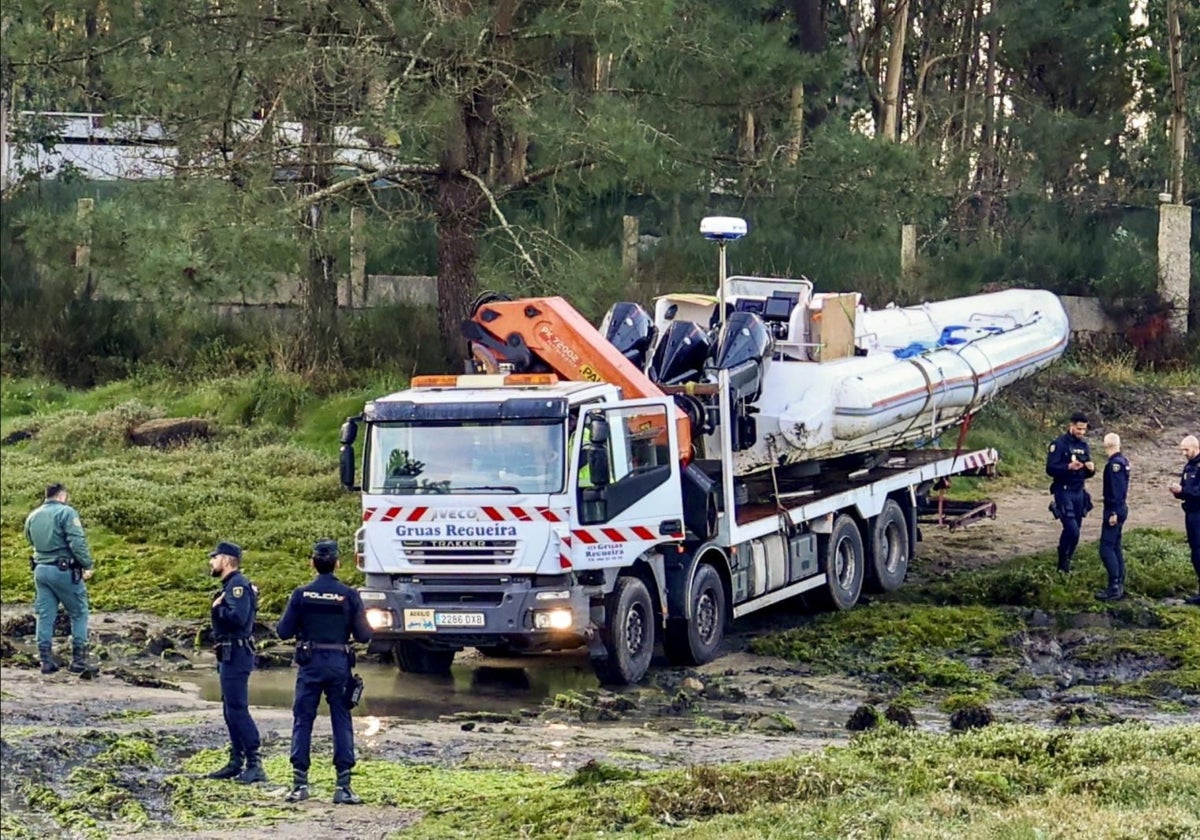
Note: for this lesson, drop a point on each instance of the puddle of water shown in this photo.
(501, 686)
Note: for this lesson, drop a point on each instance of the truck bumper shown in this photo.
(466, 614)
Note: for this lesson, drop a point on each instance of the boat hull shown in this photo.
(920, 370)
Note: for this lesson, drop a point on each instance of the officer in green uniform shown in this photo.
(61, 563)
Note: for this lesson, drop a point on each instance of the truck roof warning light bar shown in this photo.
(483, 380)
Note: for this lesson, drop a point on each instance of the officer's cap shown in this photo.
(231, 549)
(325, 550)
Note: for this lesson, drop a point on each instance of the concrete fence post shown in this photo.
(908, 250)
(1174, 261)
(629, 244)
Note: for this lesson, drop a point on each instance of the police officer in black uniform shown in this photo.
(233, 614)
(1116, 511)
(1069, 463)
(1187, 491)
(322, 617)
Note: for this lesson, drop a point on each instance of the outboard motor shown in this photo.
(630, 329)
(680, 354)
(744, 349)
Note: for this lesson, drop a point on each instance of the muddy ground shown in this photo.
(544, 712)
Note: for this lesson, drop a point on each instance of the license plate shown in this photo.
(419, 621)
(459, 619)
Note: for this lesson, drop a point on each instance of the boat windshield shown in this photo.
(505, 456)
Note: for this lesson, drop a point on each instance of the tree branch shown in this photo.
(366, 178)
(487, 193)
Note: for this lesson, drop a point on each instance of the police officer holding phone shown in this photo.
(323, 616)
(1069, 463)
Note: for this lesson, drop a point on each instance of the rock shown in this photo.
(169, 431)
(143, 680)
(1039, 693)
(773, 723)
(468, 726)
(864, 718)
(157, 644)
(1040, 619)
(21, 625)
(693, 685)
(901, 715)
(974, 716)
(1091, 619)
(17, 436)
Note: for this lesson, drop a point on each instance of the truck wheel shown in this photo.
(888, 553)
(416, 657)
(696, 641)
(628, 633)
(843, 562)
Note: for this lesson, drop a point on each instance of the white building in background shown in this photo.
(103, 147)
(94, 146)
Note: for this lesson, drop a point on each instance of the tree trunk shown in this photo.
(458, 224)
(1178, 100)
(895, 71)
(317, 348)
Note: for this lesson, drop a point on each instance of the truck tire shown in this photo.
(888, 551)
(843, 561)
(696, 641)
(416, 657)
(628, 634)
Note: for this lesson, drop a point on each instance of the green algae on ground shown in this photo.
(899, 643)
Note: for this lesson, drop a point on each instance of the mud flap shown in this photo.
(595, 645)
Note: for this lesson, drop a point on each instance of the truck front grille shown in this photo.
(460, 552)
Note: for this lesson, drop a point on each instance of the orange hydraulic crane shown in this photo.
(550, 332)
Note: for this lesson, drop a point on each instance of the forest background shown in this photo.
(500, 144)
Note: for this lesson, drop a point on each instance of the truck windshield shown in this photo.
(509, 456)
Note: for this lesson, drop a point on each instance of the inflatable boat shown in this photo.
(819, 376)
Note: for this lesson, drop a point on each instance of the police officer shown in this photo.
(1188, 492)
(1069, 463)
(61, 563)
(322, 617)
(233, 614)
(1116, 490)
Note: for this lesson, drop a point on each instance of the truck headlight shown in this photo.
(553, 595)
(378, 618)
(553, 619)
(370, 595)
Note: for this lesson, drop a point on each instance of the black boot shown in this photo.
(254, 770)
(299, 791)
(46, 654)
(1114, 592)
(344, 795)
(1194, 599)
(1064, 565)
(232, 767)
(79, 662)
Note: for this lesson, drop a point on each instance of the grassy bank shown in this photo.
(1003, 782)
(267, 479)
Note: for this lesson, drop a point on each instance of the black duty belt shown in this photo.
(323, 646)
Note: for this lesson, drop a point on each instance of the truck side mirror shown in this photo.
(349, 432)
(597, 463)
(597, 429)
(346, 466)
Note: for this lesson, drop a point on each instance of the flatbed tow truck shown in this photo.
(559, 496)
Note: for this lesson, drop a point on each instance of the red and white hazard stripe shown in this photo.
(423, 513)
(637, 533)
(564, 551)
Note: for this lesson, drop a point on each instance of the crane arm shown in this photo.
(550, 330)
